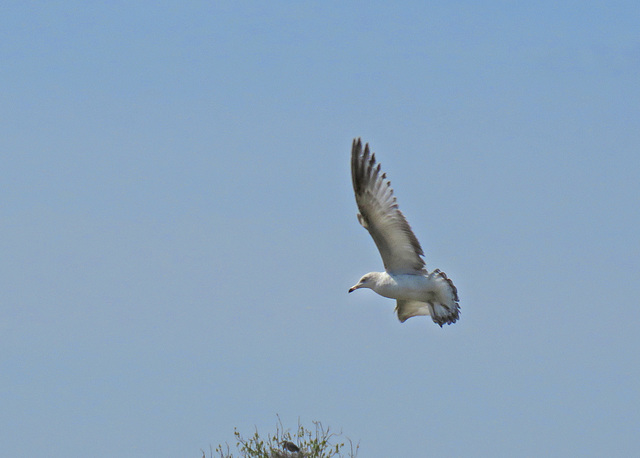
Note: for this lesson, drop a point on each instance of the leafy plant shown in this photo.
(303, 443)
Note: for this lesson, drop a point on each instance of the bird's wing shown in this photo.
(380, 215)
(407, 309)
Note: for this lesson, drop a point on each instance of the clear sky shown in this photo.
(178, 228)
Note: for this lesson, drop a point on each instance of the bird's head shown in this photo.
(365, 282)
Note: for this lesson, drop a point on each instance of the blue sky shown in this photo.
(178, 226)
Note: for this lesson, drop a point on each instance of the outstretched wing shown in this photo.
(380, 215)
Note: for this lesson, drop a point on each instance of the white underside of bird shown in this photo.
(405, 279)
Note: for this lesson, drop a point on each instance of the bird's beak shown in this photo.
(354, 287)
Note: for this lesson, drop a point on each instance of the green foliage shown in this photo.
(321, 443)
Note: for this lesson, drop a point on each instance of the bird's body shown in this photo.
(405, 279)
(403, 286)
(290, 446)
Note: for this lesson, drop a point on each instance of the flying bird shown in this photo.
(406, 279)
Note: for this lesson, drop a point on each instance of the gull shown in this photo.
(405, 279)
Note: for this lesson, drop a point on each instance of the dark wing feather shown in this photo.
(380, 215)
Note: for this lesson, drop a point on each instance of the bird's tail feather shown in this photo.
(444, 308)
